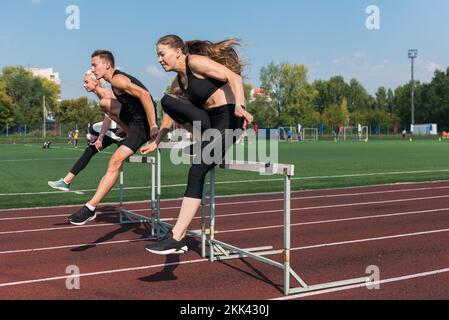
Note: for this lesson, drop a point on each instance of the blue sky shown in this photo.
(329, 37)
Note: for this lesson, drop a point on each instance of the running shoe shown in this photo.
(167, 245)
(59, 185)
(82, 216)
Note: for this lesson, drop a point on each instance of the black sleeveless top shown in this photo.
(199, 90)
(133, 104)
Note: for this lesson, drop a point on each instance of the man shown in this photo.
(135, 107)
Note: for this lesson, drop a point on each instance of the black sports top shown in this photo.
(199, 90)
(135, 107)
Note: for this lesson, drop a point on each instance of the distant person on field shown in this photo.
(76, 136)
(70, 138)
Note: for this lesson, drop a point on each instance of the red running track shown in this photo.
(336, 234)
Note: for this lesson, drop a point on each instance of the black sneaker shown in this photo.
(168, 245)
(82, 216)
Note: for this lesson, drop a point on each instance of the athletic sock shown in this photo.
(91, 208)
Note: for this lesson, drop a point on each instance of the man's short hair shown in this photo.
(106, 55)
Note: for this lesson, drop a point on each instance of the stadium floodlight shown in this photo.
(413, 54)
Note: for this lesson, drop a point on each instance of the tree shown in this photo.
(390, 101)
(80, 111)
(333, 116)
(7, 106)
(344, 111)
(291, 96)
(434, 97)
(263, 113)
(402, 102)
(247, 87)
(358, 98)
(27, 92)
(381, 99)
(270, 78)
(334, 90)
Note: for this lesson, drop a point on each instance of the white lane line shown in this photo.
(256, 212)
(245, 181)
(400, 184)
(294, 198)
(361, 285)
(206, 260)
(73, 246)
(9, 284)
(275, 227)
(55, 229)
(336, 220)
(42, 159)
(34, 217)
(312, 197)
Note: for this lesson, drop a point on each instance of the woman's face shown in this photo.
(168, 56)
(90, 84)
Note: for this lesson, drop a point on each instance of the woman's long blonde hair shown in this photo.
(223, 52)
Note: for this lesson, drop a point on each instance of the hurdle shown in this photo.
(219, 250)
(127, 216)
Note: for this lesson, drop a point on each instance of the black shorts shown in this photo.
(139, 129)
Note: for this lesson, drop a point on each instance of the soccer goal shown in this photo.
(359, 133)
(309, 134)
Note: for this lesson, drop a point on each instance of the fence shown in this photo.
(50, 130)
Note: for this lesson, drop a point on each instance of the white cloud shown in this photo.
(360, 55)
(156, 72)
(338, 61)
(36, 2)
(432, 66)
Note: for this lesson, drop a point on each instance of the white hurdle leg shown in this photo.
(212, 214)
(153, 196)
(121, 195)
(287, 235)
(203, 222)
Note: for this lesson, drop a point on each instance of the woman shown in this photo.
(209, 79)
(103, 134)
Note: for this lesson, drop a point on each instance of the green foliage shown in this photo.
(80, 111)
(290, 96)
(6, 106)
(27, 94)
(292, 100)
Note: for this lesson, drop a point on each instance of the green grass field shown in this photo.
(26, 168)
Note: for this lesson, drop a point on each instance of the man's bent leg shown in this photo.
(112, 173)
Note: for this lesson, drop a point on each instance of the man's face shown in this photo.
(99, 67)
(89, 84)
(167, 56)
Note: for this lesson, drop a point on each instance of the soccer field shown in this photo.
(26, 168)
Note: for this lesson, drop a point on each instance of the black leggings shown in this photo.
(220, 118)
(89, 153)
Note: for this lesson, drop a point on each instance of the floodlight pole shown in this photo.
(413, 54)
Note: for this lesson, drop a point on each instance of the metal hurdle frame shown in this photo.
(126, 216)
(219, 250)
